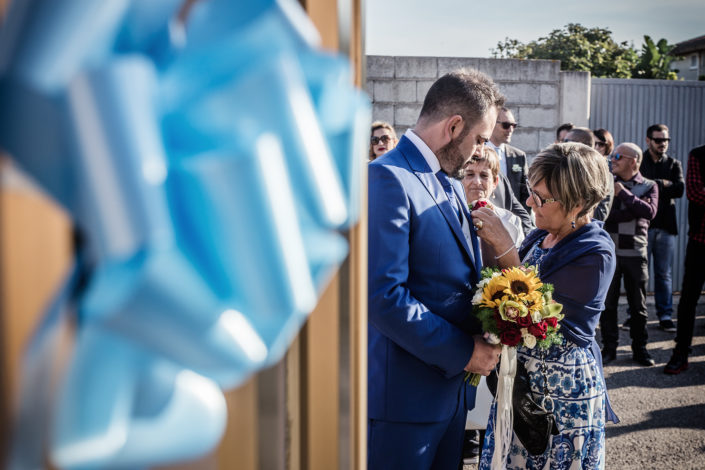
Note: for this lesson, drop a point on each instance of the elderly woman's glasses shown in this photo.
(385, 140)
(538, 200)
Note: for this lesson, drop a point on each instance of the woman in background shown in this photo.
(480, 180)
(383, 139)
(604, 143)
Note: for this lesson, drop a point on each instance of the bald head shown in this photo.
(630, 149)
(626, 160)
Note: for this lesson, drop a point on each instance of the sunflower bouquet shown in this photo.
(516, 309)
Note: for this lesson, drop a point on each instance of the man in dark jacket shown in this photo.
(694, 275)
(512, 161)
(635, 202)
(668, 175)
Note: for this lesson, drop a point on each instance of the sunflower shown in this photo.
(493, 293)
(533, 300)
(521, 282)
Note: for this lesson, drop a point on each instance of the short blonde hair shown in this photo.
(380, 125)
(574, 174)
(490, 158)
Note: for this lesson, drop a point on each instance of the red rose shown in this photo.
(552, 321)
(510, 336)
(478, 204)
(538, 329)
(524, 321)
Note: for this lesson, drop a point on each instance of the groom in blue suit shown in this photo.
(424, 262)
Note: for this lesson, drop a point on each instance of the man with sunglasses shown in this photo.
(667, 173)
(634, 206)
(512, 161)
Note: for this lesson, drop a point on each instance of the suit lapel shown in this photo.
(418, 165)
(477, 259)
(513, 177)
(436, 191)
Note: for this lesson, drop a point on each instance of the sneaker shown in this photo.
(627, 325)
(471, 447)
(667, 325)
(677, 364)
(643, 358)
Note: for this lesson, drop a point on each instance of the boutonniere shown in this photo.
(516, 168)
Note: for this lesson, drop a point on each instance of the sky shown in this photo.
(470, 28)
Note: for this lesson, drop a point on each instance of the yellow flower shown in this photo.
(521, 282)
(493, 293)
(533, 300)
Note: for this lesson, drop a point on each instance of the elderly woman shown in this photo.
(382, 140)
(574, 253)
(480, 180)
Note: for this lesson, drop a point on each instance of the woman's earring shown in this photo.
(572, 223)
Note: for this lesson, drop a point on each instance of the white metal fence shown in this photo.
(627, 107)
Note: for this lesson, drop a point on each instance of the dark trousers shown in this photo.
(416, 446)
(635, 271)
(693, 280)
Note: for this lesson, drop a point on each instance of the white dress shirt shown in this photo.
(435, 166)
(502, 154)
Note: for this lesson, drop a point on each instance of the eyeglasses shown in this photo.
(660, 140)
(599, 143)
(506, 124)
(619, 156)
(385, 139)
(538, 200)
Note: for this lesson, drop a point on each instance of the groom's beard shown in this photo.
(451, 159)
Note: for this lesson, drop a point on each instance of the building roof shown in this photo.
(691, 45)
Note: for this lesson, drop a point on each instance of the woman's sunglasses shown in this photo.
(385, 140)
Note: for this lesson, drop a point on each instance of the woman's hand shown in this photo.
(491, 230)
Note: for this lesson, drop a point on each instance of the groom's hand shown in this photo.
(484, 357)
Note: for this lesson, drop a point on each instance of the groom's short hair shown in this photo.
(466, 92)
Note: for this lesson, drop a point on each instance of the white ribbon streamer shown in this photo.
(504, 418)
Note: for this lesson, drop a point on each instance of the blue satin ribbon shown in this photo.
(211, 166)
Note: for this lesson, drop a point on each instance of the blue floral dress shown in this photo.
(574, 382)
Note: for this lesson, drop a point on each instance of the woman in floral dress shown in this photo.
(574, 253)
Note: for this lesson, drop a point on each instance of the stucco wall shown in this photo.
(536, 92)
(683, 65)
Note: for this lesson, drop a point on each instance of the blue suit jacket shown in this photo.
(421, 280)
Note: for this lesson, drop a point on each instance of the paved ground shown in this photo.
(663, 417)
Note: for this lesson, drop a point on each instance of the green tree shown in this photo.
(655, 61)
(578, 48)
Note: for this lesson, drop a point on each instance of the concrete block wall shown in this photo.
(398, 85)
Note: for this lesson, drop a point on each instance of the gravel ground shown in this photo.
(662, 417)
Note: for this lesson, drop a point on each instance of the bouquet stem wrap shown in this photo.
(504, 416)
